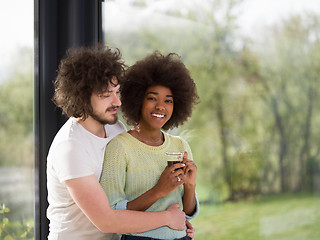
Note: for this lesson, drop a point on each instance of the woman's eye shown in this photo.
(169, 101)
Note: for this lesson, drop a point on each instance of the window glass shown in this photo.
(255, 135)
(16, 116)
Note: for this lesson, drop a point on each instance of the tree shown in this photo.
(244, 132)
(290, 80)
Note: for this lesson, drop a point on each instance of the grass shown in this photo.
(282, 217)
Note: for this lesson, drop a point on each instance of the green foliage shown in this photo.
(14, 230)
(16, 113)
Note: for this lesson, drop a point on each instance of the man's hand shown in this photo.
(177, 217)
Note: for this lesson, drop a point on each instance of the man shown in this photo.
(87, 91)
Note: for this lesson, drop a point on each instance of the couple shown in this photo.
(156, 93)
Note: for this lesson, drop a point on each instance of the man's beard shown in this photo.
(105, 121)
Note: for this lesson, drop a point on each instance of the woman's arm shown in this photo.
(91, 199)
(189, 199)
(189, 178)
(167, 183)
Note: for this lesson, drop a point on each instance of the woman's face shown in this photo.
(157, 107)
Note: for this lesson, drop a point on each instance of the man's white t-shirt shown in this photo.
(74, 153)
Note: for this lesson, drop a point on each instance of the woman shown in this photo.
(158, 94)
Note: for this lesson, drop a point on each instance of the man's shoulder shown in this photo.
(65, 131)
(70, 134)
(115, 129)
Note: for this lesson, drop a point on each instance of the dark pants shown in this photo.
(128, 237)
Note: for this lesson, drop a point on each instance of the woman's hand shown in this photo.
(170, 179)
(190, 171)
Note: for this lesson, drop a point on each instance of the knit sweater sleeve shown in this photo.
(113, 176)
(197, 209)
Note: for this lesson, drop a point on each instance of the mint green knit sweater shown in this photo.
(132, 167)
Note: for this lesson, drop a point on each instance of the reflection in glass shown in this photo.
(254, 135)
(16, 120)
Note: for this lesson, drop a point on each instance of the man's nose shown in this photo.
(116, 100)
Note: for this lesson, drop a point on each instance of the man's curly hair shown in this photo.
(82, 72)
(157, 69)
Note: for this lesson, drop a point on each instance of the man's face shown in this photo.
(105, 105)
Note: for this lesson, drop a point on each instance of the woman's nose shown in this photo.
(159, 107)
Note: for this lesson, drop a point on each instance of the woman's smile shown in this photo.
(158, 115)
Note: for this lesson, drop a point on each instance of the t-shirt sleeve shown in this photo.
(113, 176)
(72, 161)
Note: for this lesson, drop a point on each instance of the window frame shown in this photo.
(58, 26)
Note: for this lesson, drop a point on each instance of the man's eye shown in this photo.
(104, 95)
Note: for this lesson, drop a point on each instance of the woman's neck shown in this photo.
(150, 137)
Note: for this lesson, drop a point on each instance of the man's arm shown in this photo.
(91, 199)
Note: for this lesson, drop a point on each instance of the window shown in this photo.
(16, 120)
(254, 136)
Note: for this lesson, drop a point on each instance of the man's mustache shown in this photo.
(112, 108)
